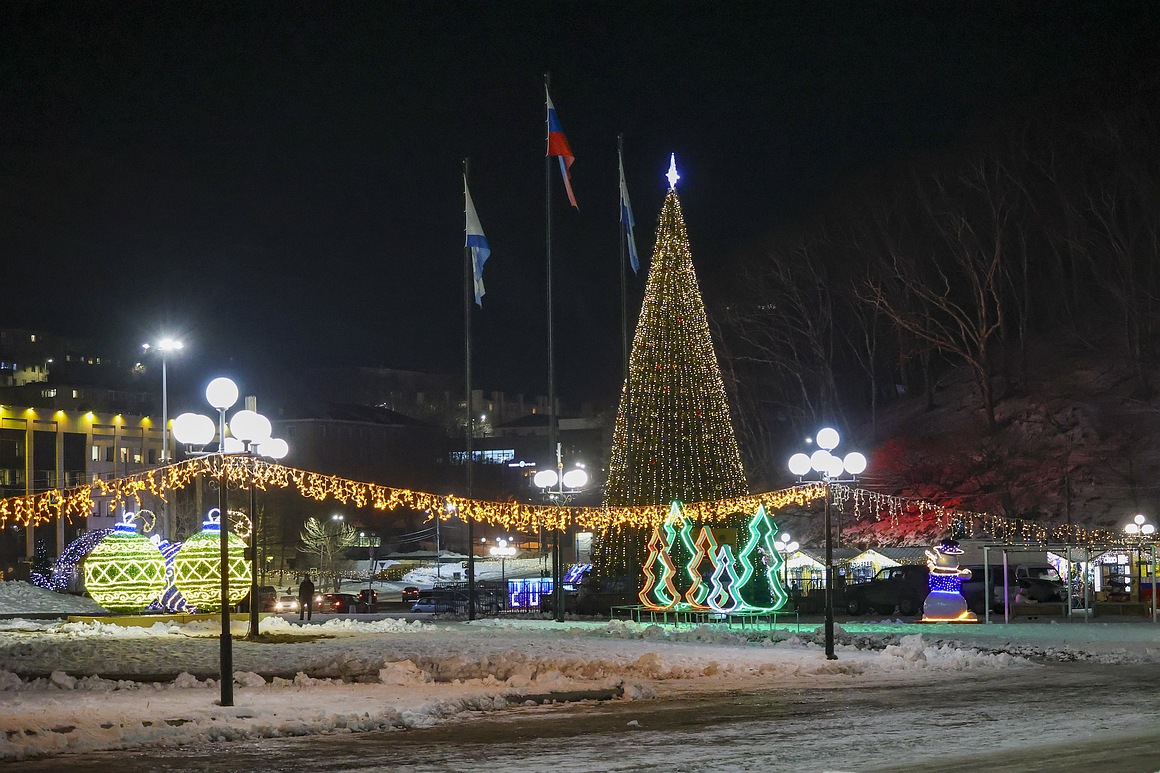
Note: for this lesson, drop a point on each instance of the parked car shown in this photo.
(338, 602)
(368, 600)
(286, 604)
(896, 587)
(453, 601)
(1026, 583)
(411, 593)
(267, 599)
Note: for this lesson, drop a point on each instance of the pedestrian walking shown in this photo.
(305, 599)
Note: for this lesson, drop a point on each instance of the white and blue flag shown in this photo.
(628, 220)
(477, 242)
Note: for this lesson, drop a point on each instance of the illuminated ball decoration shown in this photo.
(125, 571)
(197, 567)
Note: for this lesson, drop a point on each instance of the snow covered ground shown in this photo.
(75, 687)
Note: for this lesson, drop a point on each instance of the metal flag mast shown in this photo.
(557, 590)
(468, 287)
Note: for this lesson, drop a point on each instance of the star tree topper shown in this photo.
(672, 173)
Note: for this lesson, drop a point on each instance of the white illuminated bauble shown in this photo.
(221, 393)
(1147, 528)
(275, 448)
(545, 478)
(820, 460)
(1132, 528)
(193, 429)
(250, 426)
(836, 467)
(575, 478)
(799, 464)
(1139, 519)
(828, 438)
(855, 463)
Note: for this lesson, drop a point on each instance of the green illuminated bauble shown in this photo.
(197, 567)
(125, 572)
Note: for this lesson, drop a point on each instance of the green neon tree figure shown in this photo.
(658, 591)
(679, 538)
(704, 549)
(722, 593)
(759, 584)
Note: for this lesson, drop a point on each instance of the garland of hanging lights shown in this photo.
(44, 507)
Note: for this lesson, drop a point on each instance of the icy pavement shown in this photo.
(75, 687)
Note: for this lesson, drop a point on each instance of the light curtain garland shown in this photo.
(44, 507)
(79, 502)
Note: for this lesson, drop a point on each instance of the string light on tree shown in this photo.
(673, 438)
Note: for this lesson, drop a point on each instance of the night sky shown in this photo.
(279, 183)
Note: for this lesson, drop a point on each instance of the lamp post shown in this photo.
(164, 346)
(503, 550)
(196, 429)
(254, 431)
(831, 468)
(785, 545)
(559, 487)
(1142, 530)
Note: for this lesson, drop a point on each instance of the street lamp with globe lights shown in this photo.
(254, 431)
(503, 550)
(831, 467)
(559, 487)
(1143, 531)
(250, 433)
(785, 545)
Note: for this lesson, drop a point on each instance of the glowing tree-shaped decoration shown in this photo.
(945, 602)
(673, 439)
(658, 591)
(124, 572)
(759, 584)
(197, 567)
(722, 591)
(704, 549)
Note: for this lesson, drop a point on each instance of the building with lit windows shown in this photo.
(42, 448)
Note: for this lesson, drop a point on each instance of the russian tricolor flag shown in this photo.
(558, 146)
(476, 242)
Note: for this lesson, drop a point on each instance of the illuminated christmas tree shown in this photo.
(723, 585)
(673, 439)
(758, 585)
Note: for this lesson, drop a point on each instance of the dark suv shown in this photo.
(902, 587)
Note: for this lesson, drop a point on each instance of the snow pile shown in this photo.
(22, 598)
(68, 687)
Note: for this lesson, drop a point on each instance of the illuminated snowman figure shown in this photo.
(945, 602)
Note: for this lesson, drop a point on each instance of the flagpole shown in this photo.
(623, 267)
(557, 590)
(468, 287)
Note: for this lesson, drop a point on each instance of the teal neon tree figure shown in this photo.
(759, 584)
(723, 587)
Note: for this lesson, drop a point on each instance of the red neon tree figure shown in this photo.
(705, 549)
(658, 591)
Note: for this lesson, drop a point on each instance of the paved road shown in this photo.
(1064, 717)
